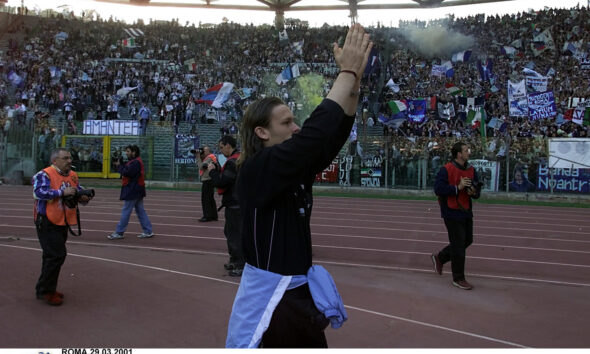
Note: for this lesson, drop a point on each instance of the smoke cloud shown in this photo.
(436, 42)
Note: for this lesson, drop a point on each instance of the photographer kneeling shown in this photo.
(57, 192)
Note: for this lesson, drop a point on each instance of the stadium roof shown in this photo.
(279, 7)
(302, 5)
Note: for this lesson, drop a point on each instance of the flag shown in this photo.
(298, 47)
(283, 37)
(61, 36)
(453, 90)
(461, 56)
(534, 81)
(485, 69)
(508, 51)
(516, 43)
(482, 123)
(542, 42)
(134, 32)
(446, 70)
(580, 115)
(15, 79)
(217, 95)
(284, 76)
(446, 110)
(374, 62)
(295, 70)
(123, 91)
(417, 110)
(129, 42)
(190, 64)
(397, 106)
(392, 86)
(495, 123)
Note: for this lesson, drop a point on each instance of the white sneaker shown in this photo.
(115, 236)
(144, 235)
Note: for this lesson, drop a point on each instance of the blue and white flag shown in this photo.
(15, 79)
(517, 99)
(535, 82)
(298, 47)
(508, 51)
(283, 37)
(374, 62)
(61, 36)
(485, 69)
(461, 56)
(443, 70)
(284, 76)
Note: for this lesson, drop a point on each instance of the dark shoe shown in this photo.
(60, 295)
(204, 219)
(229, 266)
(437, 264)
(236, 272)
(53, 299)
(462, 284)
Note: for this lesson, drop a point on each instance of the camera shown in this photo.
(205, 166)
(197, 151)
(71, 201)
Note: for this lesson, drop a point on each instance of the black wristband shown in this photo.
(349, 71)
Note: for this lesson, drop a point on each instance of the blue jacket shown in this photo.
(134, 188)
(259, 294)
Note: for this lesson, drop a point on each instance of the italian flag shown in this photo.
(129, 42)
(454, 90)
(397, 106)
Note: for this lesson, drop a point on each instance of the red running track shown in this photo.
(530, 267)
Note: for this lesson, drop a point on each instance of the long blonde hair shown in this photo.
(257, 115)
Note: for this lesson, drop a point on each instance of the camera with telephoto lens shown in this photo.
(476, 186)
(71, 201)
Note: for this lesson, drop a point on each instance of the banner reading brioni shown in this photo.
(563, 179)
(183, 144)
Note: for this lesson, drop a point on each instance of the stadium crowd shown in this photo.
(104, 69)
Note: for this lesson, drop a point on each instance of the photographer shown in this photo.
(456, 184)
(204, 159)
(54, 188)
(132, 192)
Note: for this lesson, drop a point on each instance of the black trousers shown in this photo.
(53, 243)
(460, 237)
(296, 322)
(232, 231)
(208, 200)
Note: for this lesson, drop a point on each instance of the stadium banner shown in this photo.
(488, 173)
(111, 127)
(183, 144)
(517, 99)
(537, 83)
(329, 174)
(563, 179)
(417, 110)
(541, 105)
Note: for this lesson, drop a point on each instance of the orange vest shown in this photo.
(210, 156)
(56, 210)
(455, 175)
